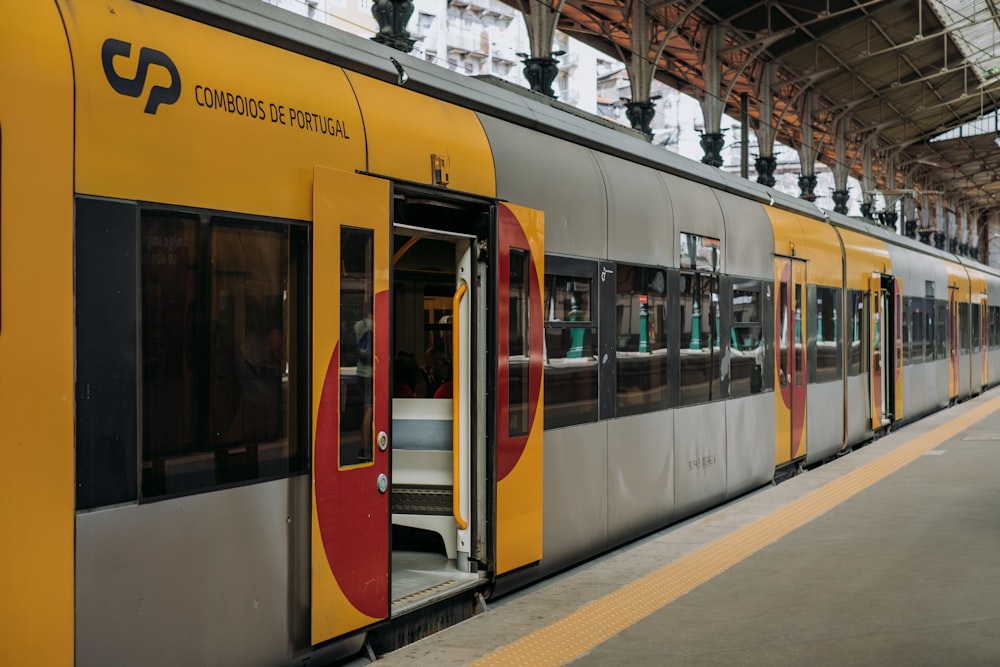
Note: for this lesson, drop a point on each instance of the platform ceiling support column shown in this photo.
(867, 179)
(963, 229)
(766, 162)
(392, 17)
(840, 167)
(992, 241)
(911, 219)
(890, 215)
(807, 150)
(926, 227)
(951, 215)
(640, 110)
(712, 103)
(940, 225)
(540, 67)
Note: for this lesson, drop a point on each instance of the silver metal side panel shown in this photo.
(640, 216)
(925, 388)
(965, 375)
(697, 211)
(201, 580)
(576, 494)
(824, 420)
(993, 372)
(561, 179)
(640, 474)
(699, 457)
(859, 417)
(750, 443)
(749, 249)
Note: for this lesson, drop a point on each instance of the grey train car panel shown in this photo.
(749, 247)
(824, 420)
(575, 520)
(215, 568)
(696, 211)
(699, 457)
(859, 416)
(563, 180)
(749, 443)
(640, 216)
(640, 478)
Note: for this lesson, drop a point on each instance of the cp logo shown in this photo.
(133, 87)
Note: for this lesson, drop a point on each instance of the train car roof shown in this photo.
(487, 95)
(501, 99)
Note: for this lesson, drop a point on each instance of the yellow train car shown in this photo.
(307, 345)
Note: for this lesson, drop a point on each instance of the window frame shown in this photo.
(583, 269)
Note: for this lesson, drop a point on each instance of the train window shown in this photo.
(914, 330)
(700, 348)
(747, 351)
(940, 330)
(699, 253)
(855, 331)
(519, 352)
(641, 339)
(570, 342)
(827, 362)
(357, 333)
(220, 389)
(994, 327)
(964, 330)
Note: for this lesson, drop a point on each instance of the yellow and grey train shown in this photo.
(305, 341)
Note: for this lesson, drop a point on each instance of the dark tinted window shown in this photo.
(219, 305)
(519, 329)
(700, 349)
(855, 331)
(570, 343)
(828, 323)
(941, 342)
(747, 350)
(641, 339)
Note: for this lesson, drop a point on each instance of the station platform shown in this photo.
(889, 555)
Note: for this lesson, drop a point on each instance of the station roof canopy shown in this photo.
(899, 72)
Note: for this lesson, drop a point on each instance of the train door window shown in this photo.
(964, 337)
(519, 346)
(357, 326)
(828, 322)
(570, 342)
(641, 339)
(220, 299)
(976, 328)
(855, 331)
(700, 348)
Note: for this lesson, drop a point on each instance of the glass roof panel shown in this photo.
(974, 29)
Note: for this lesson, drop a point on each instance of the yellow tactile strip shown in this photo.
(597, 622)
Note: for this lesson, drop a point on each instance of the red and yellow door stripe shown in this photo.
(350, 511)
(519, 454)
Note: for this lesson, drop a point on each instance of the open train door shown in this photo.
(790, 359)
(884, 348)
(518, 421)
(350, 412)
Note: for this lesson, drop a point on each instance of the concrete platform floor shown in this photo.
(887, 556)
